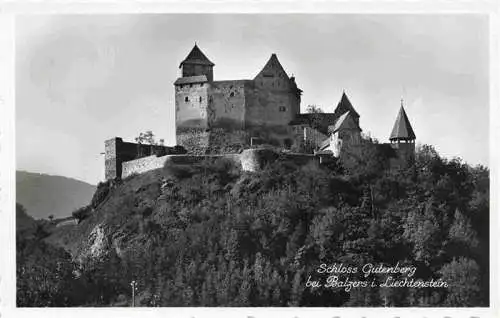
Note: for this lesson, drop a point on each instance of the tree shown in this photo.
(147, 138)
(461, 232)
(316, 119)
(313, 109)
(463, 278)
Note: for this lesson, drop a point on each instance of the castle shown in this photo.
(228, 117)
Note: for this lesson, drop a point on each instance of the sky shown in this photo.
(82, 79)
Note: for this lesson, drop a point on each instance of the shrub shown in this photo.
(100, 194)
(82, 213)
(179, 150)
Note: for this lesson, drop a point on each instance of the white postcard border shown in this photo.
(7, 145)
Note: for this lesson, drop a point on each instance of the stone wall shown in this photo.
(194, 140)
(223, 141)
(117, 152)
(142, 165)
(270, 107)
(249, 160)
(191, 102)
(227, 105)
(255, 159)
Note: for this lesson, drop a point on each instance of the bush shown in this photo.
(179, 150)
(82, 213)
(100, 194)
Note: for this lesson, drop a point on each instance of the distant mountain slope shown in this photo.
(43, 195)
(25, 224)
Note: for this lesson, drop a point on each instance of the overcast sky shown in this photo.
(82, 79)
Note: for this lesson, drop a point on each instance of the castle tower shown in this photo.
(196, 64)
(192, 99)
(403, 138)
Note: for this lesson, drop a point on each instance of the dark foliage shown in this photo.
(208, 234)
(82, 213)
(100, 193)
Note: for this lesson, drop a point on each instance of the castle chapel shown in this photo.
(225, 116)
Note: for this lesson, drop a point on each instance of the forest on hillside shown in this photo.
(212, 235)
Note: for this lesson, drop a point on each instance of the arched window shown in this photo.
(186, 99)
(201, 99)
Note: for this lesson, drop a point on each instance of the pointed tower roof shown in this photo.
(196, 56)
(344, 106)
(273, 66)
(402, 129)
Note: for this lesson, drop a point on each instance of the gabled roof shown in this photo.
(191, 80)
(346, 121)
(273, 65)
(402, 129)
(344, 106)
(196, 56)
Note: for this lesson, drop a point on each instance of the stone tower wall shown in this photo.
(271, 100)
(227, 105)
(191, 103)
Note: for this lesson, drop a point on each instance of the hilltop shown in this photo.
(213, 235)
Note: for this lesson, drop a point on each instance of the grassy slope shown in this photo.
(120, 212)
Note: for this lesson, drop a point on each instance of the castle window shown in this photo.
(201, 99)
(282, 109)
(231, 94)
(186, 99)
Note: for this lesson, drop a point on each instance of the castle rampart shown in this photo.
(248, 160)
(118, 152)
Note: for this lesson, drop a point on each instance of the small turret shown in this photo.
(197, 64)
(402, 130)
(403, 138)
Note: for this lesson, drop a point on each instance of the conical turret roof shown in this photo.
(402, 129)
(196, 56)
